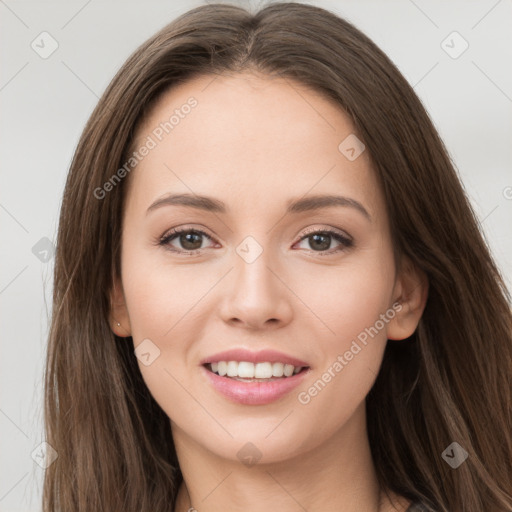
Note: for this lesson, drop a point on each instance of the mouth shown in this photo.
(248, 383)
(245, 371)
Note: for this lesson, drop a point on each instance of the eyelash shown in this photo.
(167, 238)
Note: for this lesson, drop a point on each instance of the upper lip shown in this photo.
(261, 356)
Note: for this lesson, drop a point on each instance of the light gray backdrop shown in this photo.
(57, 59)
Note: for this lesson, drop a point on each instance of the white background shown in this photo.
(46, 102)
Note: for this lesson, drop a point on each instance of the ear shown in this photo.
(411, 293)
(118, 317)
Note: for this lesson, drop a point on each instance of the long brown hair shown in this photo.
(450, 382)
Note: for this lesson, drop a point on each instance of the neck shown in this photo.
(336, 475)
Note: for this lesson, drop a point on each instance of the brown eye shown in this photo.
(320, 241)
(189, 239)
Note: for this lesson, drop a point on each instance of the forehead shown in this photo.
(250, 140)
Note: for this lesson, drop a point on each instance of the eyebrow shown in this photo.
(307, 204)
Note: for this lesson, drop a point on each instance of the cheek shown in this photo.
(166, 305)
(345, 300)
(162, 304)
(161, 298)
(354, 304)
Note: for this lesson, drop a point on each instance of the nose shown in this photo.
(257, 297)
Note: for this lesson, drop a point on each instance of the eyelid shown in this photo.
(346, 240)
(315, 229)
(174, 232)
(306, 232)
(185, 228)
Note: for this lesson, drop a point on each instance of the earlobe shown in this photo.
(118, 316)
(411, 293)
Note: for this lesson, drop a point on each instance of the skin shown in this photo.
(281, 138)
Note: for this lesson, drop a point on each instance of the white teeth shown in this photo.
(263, 371)
(278, 369)
(232, 369)
(222, 368)
(288, 370)
(246, 370)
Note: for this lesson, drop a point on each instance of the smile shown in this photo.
(254, 383)
(247, 370)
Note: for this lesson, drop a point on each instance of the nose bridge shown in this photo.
(257, 294)
(253, 276)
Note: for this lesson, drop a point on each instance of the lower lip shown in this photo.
(255, 393)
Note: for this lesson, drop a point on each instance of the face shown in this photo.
(253, 273)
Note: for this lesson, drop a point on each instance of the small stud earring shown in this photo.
(118, 324)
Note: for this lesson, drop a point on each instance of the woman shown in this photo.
(270, 290)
